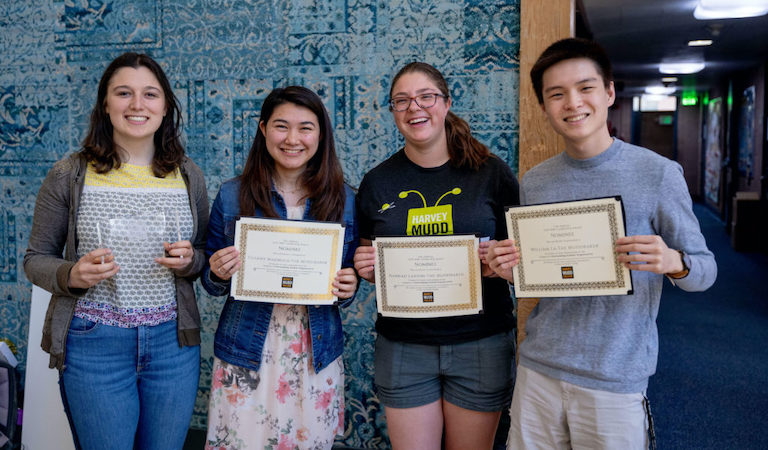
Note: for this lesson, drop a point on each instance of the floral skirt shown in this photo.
(284, 405)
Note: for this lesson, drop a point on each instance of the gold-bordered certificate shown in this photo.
(428, 276)
(286, 261)
(568, 249)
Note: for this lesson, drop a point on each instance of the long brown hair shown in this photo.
(322, 180)
(99, 145)
(464, 150)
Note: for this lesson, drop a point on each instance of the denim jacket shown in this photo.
(243, 325)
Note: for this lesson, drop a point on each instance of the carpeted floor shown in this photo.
(711, 386)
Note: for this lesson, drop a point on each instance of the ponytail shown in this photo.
(464, 149)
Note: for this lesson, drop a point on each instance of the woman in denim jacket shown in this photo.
(278, 374)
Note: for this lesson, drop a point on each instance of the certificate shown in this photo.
(568, 249)
(428, 276)
(285, 261)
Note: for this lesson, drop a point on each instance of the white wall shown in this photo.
(45, 423)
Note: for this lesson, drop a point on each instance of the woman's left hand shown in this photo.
(179, 253)
(345, 283)
(482, 251)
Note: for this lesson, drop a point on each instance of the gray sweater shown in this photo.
(52, 252)
(611, 343)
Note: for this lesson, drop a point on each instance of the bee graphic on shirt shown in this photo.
(427, 220)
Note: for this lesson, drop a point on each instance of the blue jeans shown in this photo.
(124, 383)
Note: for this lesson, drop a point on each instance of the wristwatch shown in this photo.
(686, 267)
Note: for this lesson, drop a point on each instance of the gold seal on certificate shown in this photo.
(568, 249)
(428, 276)
(286, 261)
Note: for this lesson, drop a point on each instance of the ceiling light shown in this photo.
(659, 90)
(681, 67)
(730, 9)
(669, 79)
(700, 43)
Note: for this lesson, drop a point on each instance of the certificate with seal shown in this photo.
(428, 276)
(286, 261)
(568, 249)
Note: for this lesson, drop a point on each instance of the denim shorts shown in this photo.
(476, 375)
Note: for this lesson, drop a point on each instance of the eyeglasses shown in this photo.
(400, 104)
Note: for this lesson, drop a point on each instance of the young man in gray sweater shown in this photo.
(585, 363)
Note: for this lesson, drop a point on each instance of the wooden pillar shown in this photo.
(541, 24)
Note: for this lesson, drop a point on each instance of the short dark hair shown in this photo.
(99, 146)
(323, 179)
(570, 48)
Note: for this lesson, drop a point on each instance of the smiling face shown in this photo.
(576, 103)
(421, 127)
(135, 103)
(292, 135)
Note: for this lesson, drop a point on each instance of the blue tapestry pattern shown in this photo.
(223, 58)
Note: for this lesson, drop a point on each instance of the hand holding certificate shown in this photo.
(430, 276)
(568, 249)
(285, 261)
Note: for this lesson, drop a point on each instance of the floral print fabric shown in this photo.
(283, 406)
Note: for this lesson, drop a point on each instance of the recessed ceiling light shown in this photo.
(659, 90)
(669, 79)
(730, 9)
(700, 43)
(681, 67)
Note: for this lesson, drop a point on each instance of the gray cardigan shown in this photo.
(54, 232)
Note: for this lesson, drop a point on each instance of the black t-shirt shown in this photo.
(400, 198)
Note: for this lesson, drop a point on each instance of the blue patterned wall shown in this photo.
(224, 56)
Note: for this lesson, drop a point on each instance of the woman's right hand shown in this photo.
(92, 268)
(225, 262)
(364, 260)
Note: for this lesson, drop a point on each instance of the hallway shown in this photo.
(711, 386)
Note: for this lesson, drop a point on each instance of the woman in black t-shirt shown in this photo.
(451, 374)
